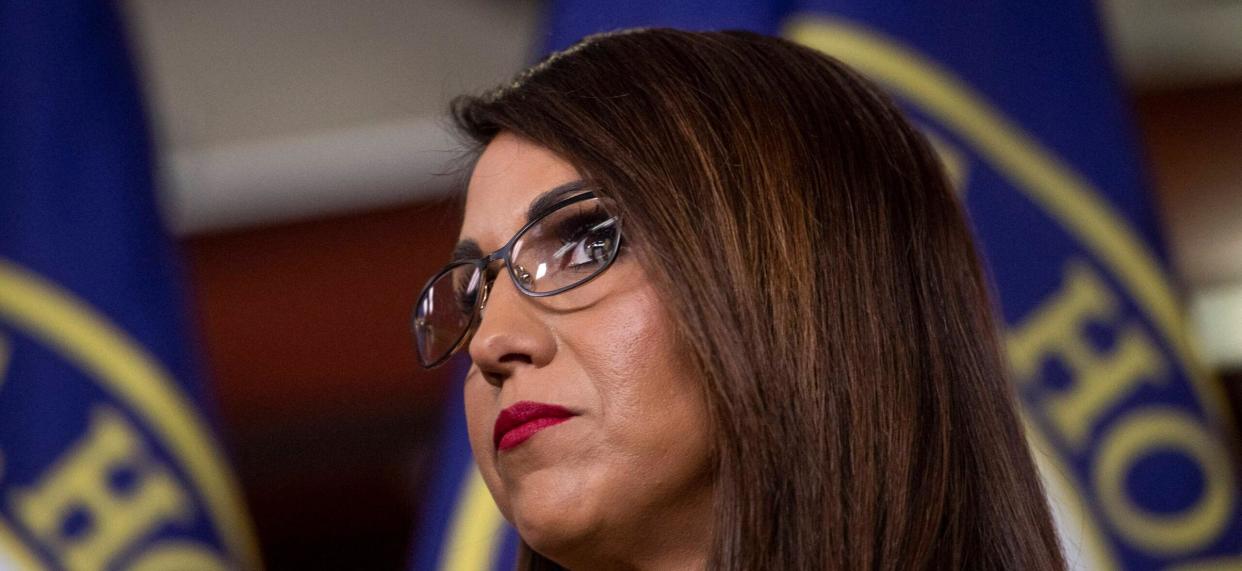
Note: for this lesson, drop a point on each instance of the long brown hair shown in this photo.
(825, 283)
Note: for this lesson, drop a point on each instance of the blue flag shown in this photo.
(461, 528)
(1021, 101)
(106, 460)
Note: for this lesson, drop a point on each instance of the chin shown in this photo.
(550, 538)
(553, 523)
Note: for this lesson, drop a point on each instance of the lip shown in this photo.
(523, 419)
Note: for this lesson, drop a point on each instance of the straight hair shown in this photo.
(823, 280)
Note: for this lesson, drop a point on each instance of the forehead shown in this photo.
(510, 173)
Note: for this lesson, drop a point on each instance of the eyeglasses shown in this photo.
(571, 244)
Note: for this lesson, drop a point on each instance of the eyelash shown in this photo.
(572, 228)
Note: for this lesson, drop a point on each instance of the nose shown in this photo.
(511, 334)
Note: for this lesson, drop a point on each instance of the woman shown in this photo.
(744, 325)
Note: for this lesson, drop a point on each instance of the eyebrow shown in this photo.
(468, 249)
(543, 203)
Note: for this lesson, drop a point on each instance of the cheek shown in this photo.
(650, 398)
(640, 368)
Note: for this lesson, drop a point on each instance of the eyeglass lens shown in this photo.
(445, 309)
(562, 250)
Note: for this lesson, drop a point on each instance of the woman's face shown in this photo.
(628, 474)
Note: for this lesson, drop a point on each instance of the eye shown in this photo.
(465, 291)
(465, 302)
(587, 240)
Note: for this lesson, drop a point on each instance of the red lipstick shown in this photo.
(523, 419)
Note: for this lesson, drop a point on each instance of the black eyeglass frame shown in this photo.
(503, 254)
